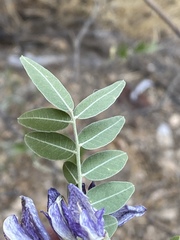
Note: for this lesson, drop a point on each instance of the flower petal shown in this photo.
(57, 220)
(126, 213)
(82, 218)
(13, 230)
(94, 227)
(30, 221)
(77, 201)
(53, 194)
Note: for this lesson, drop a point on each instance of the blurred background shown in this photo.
(89, 45)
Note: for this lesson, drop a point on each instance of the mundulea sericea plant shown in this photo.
(89, 214)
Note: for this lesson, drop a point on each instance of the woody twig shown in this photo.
(163, 16)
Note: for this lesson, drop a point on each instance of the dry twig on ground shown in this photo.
(79, 38)
(163, 16)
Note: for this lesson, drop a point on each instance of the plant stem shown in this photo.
(78, 153)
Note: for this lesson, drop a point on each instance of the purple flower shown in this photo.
(72, 221)
(30, 226)
(126, 213)
(75, 219)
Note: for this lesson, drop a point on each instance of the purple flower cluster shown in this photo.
(72, 221)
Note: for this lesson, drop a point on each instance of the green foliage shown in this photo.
(70, 172)
(124, 51)
(175, 238)
(104, 164)
(99, 101)
(111, 195)
(99, 134)
(143, 47)
(53, 146)
(48, 85)
(111, 224)
(45, 119)
(47, 142)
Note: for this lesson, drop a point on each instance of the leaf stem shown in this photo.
(78, 153)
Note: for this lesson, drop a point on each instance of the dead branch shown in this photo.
(163, 16)
(80, 36)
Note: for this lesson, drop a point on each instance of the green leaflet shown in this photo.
(175, 238)
(111, 224)
(45, 119)
(70, 172)
(53, 146)
(100, 133)
(48, 85)
(99, 101)
(111, 195)
(104, 164)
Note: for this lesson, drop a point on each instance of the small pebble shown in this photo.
(164, 135)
